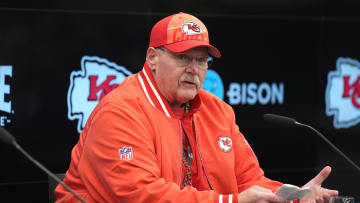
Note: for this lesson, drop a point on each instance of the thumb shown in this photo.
(320, 177)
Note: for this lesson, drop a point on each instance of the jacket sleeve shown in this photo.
(110, 177)
(247, 168)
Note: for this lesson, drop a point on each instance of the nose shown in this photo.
(192, 67)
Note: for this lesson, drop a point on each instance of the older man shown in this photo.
(159, 137)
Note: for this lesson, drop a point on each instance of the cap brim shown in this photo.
(189, 44)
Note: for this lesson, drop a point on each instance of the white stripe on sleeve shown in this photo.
(220, 198)
(230, 198)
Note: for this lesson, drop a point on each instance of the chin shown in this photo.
(186, 95)
(186, 98)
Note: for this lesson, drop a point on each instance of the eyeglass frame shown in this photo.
(184, 63)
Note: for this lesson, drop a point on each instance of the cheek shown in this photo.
(170, 79)
(202, 78)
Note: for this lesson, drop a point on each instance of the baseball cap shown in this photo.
(181, 32)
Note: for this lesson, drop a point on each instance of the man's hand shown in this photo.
(319, 194)
(257, 194)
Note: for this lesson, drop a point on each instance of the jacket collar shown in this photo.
(155, 98)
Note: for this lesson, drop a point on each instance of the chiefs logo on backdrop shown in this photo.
(342, 95)
(96, 78)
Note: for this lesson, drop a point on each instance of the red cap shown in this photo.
(181, 32)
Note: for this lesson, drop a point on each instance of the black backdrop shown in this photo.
(294, 44)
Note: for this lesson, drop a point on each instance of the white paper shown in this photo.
(292, 192)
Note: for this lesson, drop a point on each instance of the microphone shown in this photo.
(279, 120)
(285, 121)
(7, 138)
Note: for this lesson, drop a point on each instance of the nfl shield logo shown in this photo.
(126, 153)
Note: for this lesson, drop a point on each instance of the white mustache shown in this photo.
(190, 78)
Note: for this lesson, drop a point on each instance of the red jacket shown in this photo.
(130, 149)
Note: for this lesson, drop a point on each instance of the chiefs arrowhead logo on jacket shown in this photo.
(225, 143)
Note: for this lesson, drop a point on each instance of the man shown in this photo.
(159, 137)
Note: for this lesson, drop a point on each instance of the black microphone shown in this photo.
(279, 120)
(285, 121)
(7, 138)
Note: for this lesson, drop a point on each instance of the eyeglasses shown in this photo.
(183, 60)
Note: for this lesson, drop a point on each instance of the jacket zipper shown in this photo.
(202, 162)
(181, 139)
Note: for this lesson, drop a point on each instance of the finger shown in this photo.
(271, 197)
(261, 189)
(327, 194)
(268, 195)
(320, 177)
(328, 198)
(331, 192)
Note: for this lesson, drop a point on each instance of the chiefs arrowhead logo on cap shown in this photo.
(191, 28)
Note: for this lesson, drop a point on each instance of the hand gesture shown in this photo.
(319, 194)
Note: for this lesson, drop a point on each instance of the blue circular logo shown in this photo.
(214, 84)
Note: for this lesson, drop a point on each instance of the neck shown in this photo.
(175, 105)
(186, 106)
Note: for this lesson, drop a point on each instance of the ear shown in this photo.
(152, 58)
